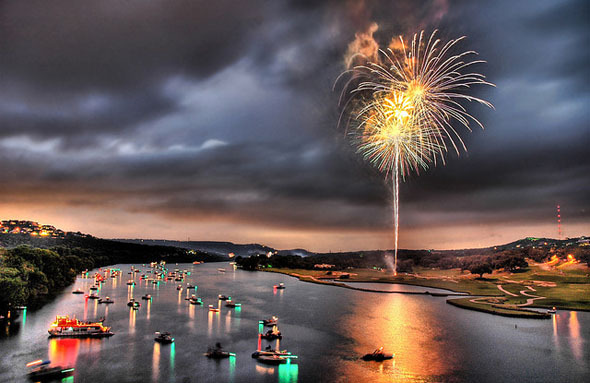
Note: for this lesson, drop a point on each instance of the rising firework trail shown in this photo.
(403, 108)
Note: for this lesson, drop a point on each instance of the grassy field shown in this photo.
(564, 287)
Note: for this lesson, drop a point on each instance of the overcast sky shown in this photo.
(216, 120)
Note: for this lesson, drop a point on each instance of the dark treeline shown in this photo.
(30, 276)
(477, 262)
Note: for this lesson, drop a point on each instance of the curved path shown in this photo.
(530, 300)
(506, 291)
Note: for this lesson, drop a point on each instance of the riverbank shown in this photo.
(505, 294)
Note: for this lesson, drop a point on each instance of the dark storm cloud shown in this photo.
(225, 109)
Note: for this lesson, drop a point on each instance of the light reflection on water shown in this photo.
(156, 363)
(405, 328)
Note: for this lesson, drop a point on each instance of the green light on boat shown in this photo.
(67, 370)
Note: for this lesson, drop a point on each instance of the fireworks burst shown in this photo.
(404, 107)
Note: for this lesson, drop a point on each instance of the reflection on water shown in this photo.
(575, 341)
(148, 308)
(85, 307)
(156, 363)
(64, 351)
(132, 317)
(288, 372)
(172, 361)
(232, 368)
(402, 326)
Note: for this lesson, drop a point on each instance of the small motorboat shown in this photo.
(221, 270)
(232, 304)
(164, 337)
(44, 372)
(106, 300)
(268, 351)
(179, 287)
(130, 283)
(272, 334)
(146, 297)
(94, 288)
(217, 352)
(195, 301)
(272, 321)
(93, 296)
(77, 291)
(213, 309)
(553, 310)
(223, 297)
(378, 355)
(133, 303)
(189, 286)
(280, 286)
(274, 359)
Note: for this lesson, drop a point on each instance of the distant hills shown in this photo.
(14, 233)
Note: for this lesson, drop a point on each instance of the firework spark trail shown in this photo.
(404, 106)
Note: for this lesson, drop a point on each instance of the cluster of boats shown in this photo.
(270, 355)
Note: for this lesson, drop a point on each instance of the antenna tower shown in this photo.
(559, 222)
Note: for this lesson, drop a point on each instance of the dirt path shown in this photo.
(530, 300)
(506, 291)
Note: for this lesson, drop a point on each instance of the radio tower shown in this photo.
(559, 222)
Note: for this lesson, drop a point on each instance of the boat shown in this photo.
(146, 297)
(45, 372)
(223, 297)
(164, 337)
(106, 300)
(93, 296)
(197, 262)
(273, 359)
(378, 355)
(272, 334)
(66, 327)
(213, 309)
(217, 352)
(270, 352)
(280, 286)
(155, 282)
(77, 291)
(232, 304)
(195, 301)
(272, 321)
(221, 270)
(130, 283)
(179, 287)
(94, 288)
(553, 310)
(189, 286)
(133, 303)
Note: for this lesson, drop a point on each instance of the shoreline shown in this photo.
(457, 302)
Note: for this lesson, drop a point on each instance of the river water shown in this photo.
(327, 327)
